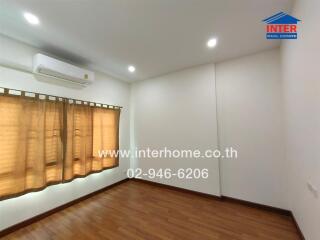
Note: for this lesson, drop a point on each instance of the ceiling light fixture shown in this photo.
(212, 42)
(131, 69)
(32, 19)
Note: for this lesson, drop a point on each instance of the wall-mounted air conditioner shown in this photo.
(48, 66)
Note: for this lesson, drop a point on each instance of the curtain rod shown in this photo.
(7, 90)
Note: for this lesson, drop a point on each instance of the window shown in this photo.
(44, 141)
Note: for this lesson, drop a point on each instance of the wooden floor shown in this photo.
(137, 210)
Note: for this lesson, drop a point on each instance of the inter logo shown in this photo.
(281, 26)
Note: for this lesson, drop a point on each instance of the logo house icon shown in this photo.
(281, 26)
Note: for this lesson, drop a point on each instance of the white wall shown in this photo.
(104, 90)
(178, 111)
(250, 119)
(301, 84)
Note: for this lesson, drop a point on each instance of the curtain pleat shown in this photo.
(78, 159)
(105, 137)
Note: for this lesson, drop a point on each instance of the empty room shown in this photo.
(159, 119)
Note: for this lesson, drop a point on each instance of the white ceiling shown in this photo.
(156, 36)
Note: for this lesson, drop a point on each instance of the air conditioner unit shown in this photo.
(48, 66)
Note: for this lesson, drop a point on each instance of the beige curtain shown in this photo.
(30, 144)
(90, 130)
(45, 141)
(78, 156)
(105, 137)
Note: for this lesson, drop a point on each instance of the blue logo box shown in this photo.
(281, 36)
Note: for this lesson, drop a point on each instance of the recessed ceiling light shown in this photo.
(212, 42)
(32, 19)
(131, 69)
